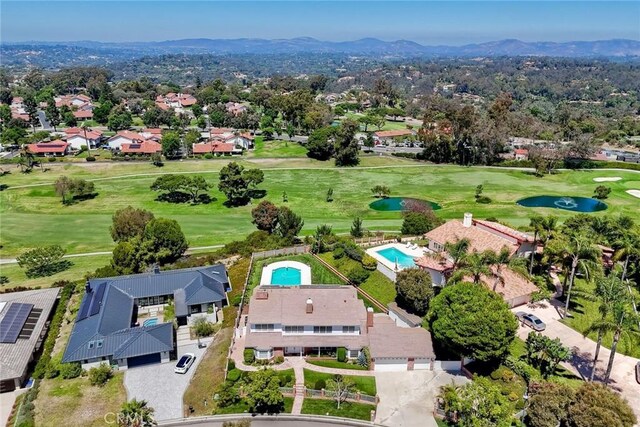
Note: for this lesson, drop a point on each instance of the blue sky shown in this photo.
(452, 22)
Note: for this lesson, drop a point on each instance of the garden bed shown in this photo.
(335, 364)
(363, 384)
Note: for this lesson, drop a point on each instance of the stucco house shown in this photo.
(107, 330)
(313, 320)
(57, 148)
(78, 137)
(124, 137)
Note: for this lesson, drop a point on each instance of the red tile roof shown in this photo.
(393, 133)
(83, 114)
(434, 262)
(144, 147)
(212, 147)
(522, 151)
(132, 136)
(57, 146)
(91, 133)
(480, 240)
(513, 286)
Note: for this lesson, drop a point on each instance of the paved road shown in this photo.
(623, 374)
(407, 398)
(43, 121)
(160, 386)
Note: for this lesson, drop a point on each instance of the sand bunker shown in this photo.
(634, 193)
(607, 178)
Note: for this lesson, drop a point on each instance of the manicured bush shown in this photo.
(233, 375)
(286, 379)
(342, 354)
(208, 156)
(70, 370)
(338, 252)
(100, 374)
(354, 252)
(320, 384)
(483, 199)
(249, 356)
(358, 274)
(231, 364)
(369, 262)
(278, 359)
(91, 159)
(51, 159)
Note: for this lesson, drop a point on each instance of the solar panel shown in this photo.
(84, 308)
(97, 299)
(13, 321)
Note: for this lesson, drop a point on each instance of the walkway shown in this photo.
(623, 373)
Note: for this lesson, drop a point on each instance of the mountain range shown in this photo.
(366, 46)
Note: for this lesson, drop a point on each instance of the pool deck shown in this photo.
(416, 253)
(267, 271)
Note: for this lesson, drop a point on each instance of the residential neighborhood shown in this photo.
(319, 214)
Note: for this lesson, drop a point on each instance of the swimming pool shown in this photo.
(150, 322)
(286, 276)
(395, 255)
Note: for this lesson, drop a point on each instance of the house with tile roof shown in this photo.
(106, 329)
(124, 137)
(214, 147)
(482, 236)
(389, 136)
(57, 148)
(78, 137)
(145, 147)
(316, 320)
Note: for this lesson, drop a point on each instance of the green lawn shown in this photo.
(377, 285)
(359, 411)
(336, 364)
(33, 216)
(242, 407)
(277, 148)
(320, 275)
(585, 312)
(366, 385)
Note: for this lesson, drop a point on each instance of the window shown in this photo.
(322, 329)
(91, 344)
(437, 246)
(349, 329)
(263, 354)
(294, 329)
(99, 343)
(263, 327)
(353, 354)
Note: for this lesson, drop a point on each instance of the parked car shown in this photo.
(531, 321)
(185, 363)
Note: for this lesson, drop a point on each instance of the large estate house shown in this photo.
(482, 236)
(316, 319)
(107, 327)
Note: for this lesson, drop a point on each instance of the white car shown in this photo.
(185, 363)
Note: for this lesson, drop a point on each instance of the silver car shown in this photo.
(531, 321)
(185, 363)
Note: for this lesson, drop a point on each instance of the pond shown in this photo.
(576, 204)
(400, 204)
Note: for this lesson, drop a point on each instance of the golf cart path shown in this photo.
(623, 373)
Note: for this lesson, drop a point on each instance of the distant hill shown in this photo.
(366, 46)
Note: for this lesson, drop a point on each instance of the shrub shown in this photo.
(51, 159)
(320, 384)
(249, 356)
(70, 370)
(202, 327)
(208, 156)
(338, 252)
(354, 252)
(53, 369)
(100, 374)
(483, 199)
(358, 274)
(342, 354)
(231, 364)
(278, 359)
(364, 358)
(236, 300)
(233, 375)
(285, 380)
(227, 395)
(91, 159)
(369, 262)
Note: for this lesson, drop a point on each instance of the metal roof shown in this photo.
(110, 331)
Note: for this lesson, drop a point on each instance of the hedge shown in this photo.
(249, 357)
(54, 328)
(342, 354)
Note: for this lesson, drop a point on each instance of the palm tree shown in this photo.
(579, 252)
(136, 413)
(548, 227)
(610, 291)
(535, 223)
(498, 262)
(457, 251)
(622, 322)
(84, 128)
(475, 264)
(627, 247)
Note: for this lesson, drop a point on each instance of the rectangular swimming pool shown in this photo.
(394, 255)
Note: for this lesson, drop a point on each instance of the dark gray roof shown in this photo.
(104, 323)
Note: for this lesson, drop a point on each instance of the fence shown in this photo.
(238, 316)
(293, 250)
(322, 394)
(381, 240)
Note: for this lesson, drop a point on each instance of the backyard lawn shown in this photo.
(364, 384)
(358, 411)
(277, 148)
(336, 364)
(33, 215)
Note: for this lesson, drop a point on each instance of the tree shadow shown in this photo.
(174, 197)
(256, 194)
(237, 202)
(204, 199)
(49, 270)
(3, 187)
(81, 197)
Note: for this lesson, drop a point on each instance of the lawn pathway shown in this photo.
(299, 389)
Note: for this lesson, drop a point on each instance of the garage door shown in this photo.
(390, 364)
(132, 362)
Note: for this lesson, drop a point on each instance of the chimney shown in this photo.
(369, 318)
(309, 306)
(156, 269)
(468, 220)
(87, 287)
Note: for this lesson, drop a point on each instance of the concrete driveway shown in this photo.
(407, 398)
(622, 374)
(160, 386)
